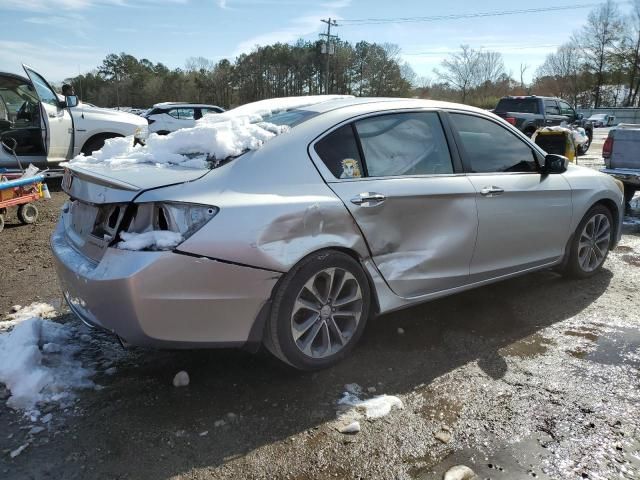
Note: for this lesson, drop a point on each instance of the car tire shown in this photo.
(583, 149)
(96, 143)
(629, 193)
(305, 328)
(529, 132)
(590, 243)
(28, 213)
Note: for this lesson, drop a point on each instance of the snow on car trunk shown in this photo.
(214, 138)
(38, 360)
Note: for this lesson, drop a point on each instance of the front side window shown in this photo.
(566, 109)
(45, 93)
(183, 113)
(339, 152)
(404, 144)
(488, 147)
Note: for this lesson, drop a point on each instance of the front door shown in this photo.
(552, 113)
(523, 216)
(57, 123)
(395, 174)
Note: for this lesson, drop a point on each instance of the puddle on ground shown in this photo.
(439, 408)
(631, 260)
(528, 347)
(621, 347)
(586, 334)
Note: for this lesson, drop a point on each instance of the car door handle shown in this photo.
(368, 199)
(549, 121)
(491, 191)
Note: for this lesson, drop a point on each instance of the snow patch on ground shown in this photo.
(215, 137)
(20, 314)
(351, 407)
(38, 360)
(155, 240)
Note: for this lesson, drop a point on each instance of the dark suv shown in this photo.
(528, 113)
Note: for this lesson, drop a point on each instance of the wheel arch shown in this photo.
(615, 214)
(101, 135)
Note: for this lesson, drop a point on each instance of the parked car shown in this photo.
(602, 120)
(168, 117)
(529, 113)
(45, 128)
(621, 159)
(364, 206)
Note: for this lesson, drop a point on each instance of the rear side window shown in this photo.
(404, 144)
(339, 152)
(182, 113)
(489, 148)
(522, 105)
(551, 107)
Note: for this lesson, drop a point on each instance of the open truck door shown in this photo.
(56, 121)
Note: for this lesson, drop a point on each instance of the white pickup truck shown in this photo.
(621, 152)
(44, 128)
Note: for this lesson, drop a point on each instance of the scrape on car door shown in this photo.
(58, 124)
(395, 174)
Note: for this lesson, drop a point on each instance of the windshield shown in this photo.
(523, 105)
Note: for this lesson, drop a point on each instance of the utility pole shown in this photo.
(330, 23)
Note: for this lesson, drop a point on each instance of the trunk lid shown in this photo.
(100, 183)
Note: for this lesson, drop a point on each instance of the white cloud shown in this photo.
(299, 27)
(55, 62)
(69, 5)
(222, 4)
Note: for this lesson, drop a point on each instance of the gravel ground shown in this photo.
(535, 377)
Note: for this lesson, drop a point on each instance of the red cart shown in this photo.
(21, 192)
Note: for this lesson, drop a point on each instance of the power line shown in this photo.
(461, 16)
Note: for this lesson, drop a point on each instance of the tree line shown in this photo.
(363, 69)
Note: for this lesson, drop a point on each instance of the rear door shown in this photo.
(552, 115)
(405, 189)
(523, 216)
(57, 124)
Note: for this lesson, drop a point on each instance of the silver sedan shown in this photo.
(362, 207)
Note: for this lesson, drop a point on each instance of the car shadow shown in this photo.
(140, 421)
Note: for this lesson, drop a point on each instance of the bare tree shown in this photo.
(562, 70)
(460, 70)
(598, 39)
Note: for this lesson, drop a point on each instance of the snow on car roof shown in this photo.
(214, 138)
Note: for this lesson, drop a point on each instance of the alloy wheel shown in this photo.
(326, 312)
(594, 242)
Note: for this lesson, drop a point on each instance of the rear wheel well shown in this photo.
(375, 307)
(92, 142)
(530, 130)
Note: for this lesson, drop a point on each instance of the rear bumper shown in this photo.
(163, 299)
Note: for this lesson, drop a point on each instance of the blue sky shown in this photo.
(64, 37)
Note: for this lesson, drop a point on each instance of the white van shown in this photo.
(44, 128)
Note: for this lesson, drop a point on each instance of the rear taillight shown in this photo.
(607, 148)
(511, 120)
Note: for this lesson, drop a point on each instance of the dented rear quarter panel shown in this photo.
(274, 209)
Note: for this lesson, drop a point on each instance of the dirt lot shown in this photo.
(535, 377)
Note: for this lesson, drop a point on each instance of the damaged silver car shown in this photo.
(357, 207)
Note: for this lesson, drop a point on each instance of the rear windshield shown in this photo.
(523, 105)
(290, 118)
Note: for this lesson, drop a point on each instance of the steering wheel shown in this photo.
(25, 112)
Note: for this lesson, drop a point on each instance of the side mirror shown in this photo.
(71, 101)
(579, 116)
(555, 164)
